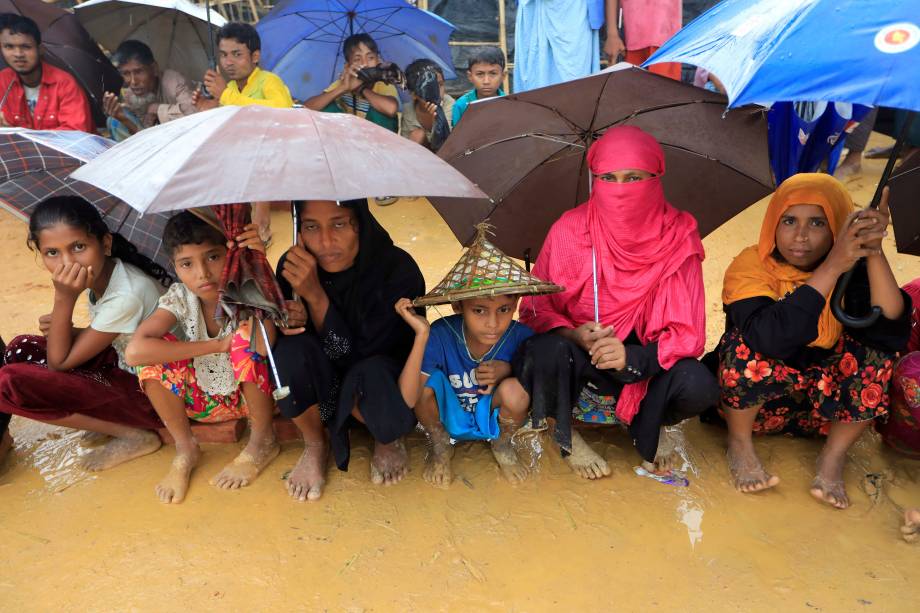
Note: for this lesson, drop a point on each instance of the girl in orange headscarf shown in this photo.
(786, 364)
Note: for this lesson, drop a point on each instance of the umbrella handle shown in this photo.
(837, 306)
(844, 281)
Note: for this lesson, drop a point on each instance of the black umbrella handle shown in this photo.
(844, 281)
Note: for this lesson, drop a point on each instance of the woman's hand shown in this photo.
(300, 270)
(71, 279)
(490, 374)
(418, 323)
(872, 221)
(608, 353)
(248, 239)
(586, 335)
(296, 320)
(851, 243)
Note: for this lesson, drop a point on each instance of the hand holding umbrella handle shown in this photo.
(844, 281)
(837, 306)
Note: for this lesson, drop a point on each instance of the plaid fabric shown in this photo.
(247, 283)
(32, 171)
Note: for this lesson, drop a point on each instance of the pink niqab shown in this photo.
(649, 261)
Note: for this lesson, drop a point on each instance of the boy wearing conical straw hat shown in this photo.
(455, 376)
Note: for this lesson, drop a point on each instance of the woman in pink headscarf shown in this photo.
(637, 366)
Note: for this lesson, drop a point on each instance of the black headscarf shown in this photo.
(364, 295)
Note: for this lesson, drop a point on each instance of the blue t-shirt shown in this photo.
(446, 351)
(461, 104)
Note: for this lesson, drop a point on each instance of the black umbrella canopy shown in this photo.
(904, 203)
(68, 46)
(527, 151)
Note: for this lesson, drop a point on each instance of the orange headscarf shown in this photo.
(755, 272)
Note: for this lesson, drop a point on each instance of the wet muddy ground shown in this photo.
(77, 541)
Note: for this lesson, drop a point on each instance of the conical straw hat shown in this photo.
(483, 270)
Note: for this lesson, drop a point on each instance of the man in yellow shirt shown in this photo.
(240, 81)
(239, 50)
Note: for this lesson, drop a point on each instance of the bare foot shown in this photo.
(390, 463)
(93, 439)
(850, 165)
(910, 531)
(437, 463)
(172, 489)
(120, 450)
(747, 470)
(508, 461)
(828, 483)
(666, 457)
(6, 443)
(308, 478)
(503, 449)
(585, 461)
(246, 467)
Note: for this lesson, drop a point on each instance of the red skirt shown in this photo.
(97, 389)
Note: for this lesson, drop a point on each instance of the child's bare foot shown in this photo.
(503, 449)
(828, 484)
(747, 470)
(666, 457)
(172, 489)
(437, 463)
(508, 461)
(308, 478)
(585, 461)
(93, 439)
(120, 450)
(246, 467)
(911, 528)
(6, 443)
(390, 463)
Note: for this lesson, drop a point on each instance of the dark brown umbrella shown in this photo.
(527, 151)
(68, 46)
(904, 202)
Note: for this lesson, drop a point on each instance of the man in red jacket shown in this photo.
(34, 94)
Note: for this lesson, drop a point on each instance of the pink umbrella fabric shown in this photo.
(252, 153)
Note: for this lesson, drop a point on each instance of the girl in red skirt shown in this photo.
(77, 377)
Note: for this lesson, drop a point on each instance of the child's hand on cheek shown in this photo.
(71, 279)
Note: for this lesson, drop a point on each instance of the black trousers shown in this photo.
(371, 384)
(553, 370)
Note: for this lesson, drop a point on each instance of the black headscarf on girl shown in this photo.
(366, 293)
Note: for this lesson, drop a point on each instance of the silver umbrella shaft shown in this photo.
(280, 391)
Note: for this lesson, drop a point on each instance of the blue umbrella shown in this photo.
(833, 50)
(858, 51)
(302, 39)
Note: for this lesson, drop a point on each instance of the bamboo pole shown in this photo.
(503, 40)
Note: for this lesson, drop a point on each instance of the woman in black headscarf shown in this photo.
(345, 345)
